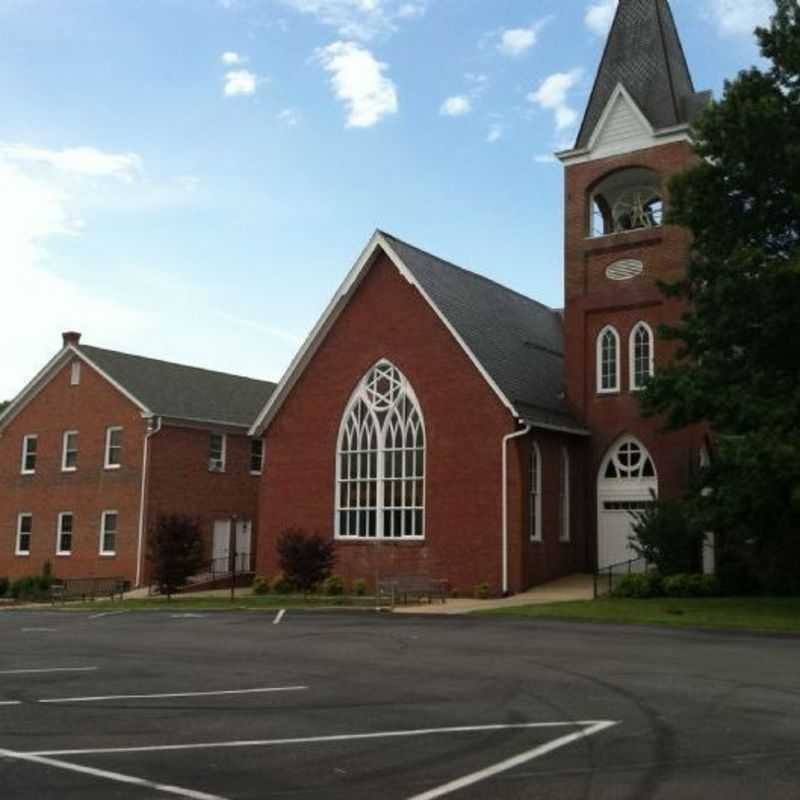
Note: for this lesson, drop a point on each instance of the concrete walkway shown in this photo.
(573, 587)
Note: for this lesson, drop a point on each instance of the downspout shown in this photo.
(506, 439)
(152, 430)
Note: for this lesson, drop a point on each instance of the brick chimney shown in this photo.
(71, 337)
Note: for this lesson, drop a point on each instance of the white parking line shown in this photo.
(594, 726)
(172, 694)
(511, 763)
(10, 702)
(108, 613)
(38, 630)
(112, 776)
(48, 669)
(279, 617)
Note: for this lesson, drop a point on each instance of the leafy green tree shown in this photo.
(305, 559)
(175, 551)
(738, 359)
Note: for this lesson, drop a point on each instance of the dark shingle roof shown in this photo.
(644, 54)
(181, 392)
(519, 342)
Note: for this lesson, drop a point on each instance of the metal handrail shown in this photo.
(613, 569)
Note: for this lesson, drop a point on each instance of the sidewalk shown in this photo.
(573, 587)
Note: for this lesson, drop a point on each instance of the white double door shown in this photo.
(221, 552)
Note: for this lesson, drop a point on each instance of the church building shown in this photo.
(437, 423)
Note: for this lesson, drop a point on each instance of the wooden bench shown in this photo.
(87, 588)
(414, 586)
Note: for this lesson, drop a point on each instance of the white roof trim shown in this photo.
(46, 374)
(331, 314)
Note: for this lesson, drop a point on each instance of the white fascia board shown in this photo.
(331, 314)
(118, 386)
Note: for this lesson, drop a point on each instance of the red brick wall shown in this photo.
(89, 408)
(465, 423)
(593, 301)
(179, 481)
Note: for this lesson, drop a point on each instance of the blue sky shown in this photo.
(191, 179)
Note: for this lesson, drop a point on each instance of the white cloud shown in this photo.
(230, 58)
(600, 15)
(78, 160)
(289, 117)
(552, 96)
(496, 131)
(456, 106)
(740, 17)
(360, 19)
(358, 80)
(517, 41)
(240, 82)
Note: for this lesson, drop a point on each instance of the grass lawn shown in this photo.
(781, 614)
(222, 602)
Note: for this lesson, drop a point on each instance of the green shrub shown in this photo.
(359, 587)
(691, 586)
(261, 586)
(640, 585)
(305, 559)
(280, 584)
(333, 585)
(482, 591)
(31, 587)
(4, 584)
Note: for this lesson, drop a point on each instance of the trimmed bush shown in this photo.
(280, 584)
(640, 585)
(305, 559)
(359, 587)
(333, 585)
(261, 586)
(482, 591)
(32, 587)
(691, 586)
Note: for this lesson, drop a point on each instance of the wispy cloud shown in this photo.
(552, 96)
(360, 19)
(456, 106)
(358, 79)
(289, 116)
(600, 15)
(496, 131)
(740, 17)
(515, 42)
(78, 160)
(240, 82)
(231, 58)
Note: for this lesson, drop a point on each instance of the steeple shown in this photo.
(644, 54)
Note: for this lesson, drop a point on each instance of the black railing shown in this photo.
(605, 578)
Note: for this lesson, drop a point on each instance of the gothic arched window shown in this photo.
(608, 360)
(380, 465)
(641, 355)
(535, 494)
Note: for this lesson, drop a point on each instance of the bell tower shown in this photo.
(634, 136)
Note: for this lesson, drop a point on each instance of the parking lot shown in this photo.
(362, 705)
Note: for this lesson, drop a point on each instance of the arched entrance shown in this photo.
(626, 479)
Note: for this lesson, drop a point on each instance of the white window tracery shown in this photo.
(608, 360)
(630, 461)
(380, 486)
(641, 355)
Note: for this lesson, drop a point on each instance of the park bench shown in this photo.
(416, 587)
(86, 588)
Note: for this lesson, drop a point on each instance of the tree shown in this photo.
(738, 351)
(175, 550)
(306, 560)
(4, 404)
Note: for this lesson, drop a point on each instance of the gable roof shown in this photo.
(513, 341)
(160, 388)
(644, 54)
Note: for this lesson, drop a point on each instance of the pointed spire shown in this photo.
(644, 54)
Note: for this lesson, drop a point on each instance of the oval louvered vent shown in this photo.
(624, 270)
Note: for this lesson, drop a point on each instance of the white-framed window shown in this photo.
(380, 463)
(630, 461)
(29, 446)
(64, 534)
(24, 534)
(256, 456)
(535, 494)
(75, 373)
(641, 355)
(108, 533)
(608, 360)
(113, 458)
(564, 521)
(216, 452)
(69, 453)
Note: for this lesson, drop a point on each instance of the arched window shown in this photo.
(641, 355)
(535, 495)
(608, 360)
(564, 531)
(629, 460)
(626, 200)
(380, 486)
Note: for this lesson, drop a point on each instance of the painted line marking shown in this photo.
(38, 630)
(264, 690)
(47, 669)
(10, 702)
(118, 777)
(511, 763)
(279, 617)
(593, 725)
(187, 616)
(108, 613)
